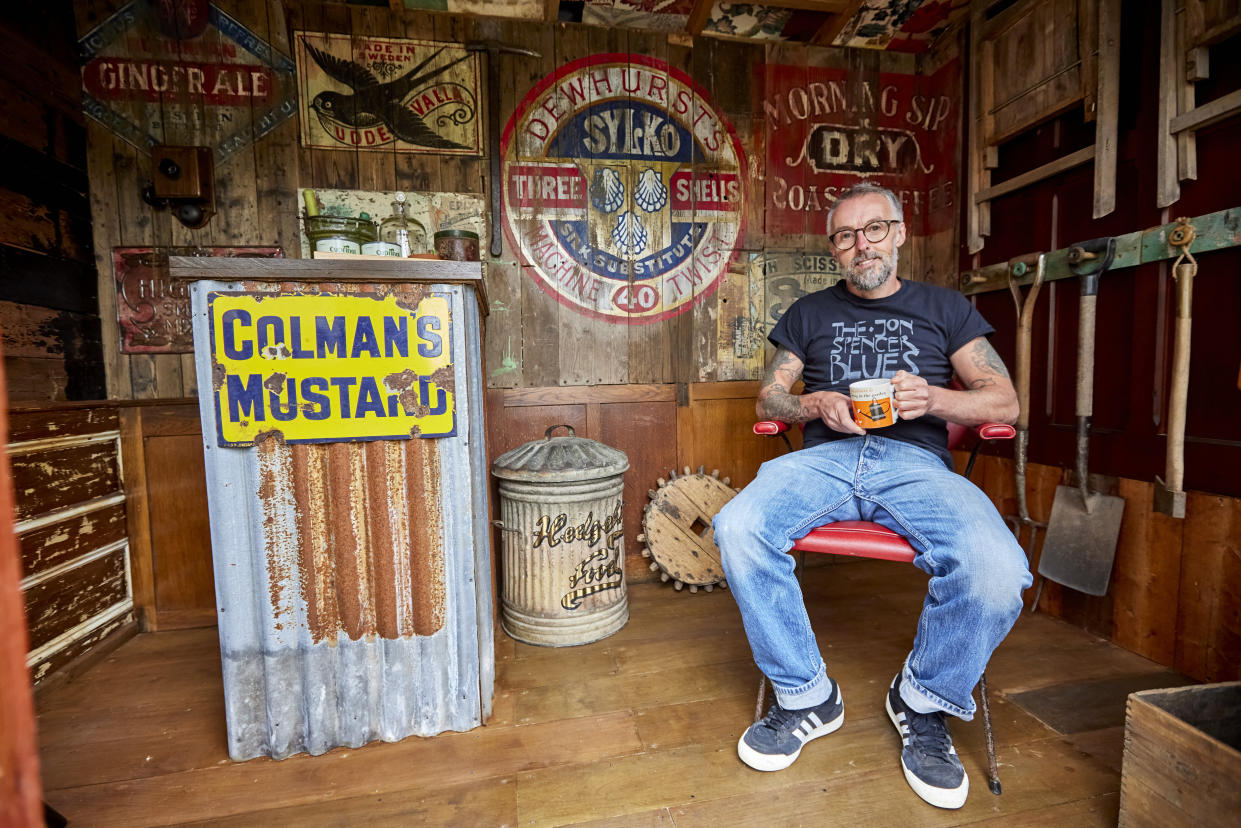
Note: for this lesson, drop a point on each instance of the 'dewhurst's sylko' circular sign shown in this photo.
(623, 187)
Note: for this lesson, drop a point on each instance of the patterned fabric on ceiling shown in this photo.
(896, 25)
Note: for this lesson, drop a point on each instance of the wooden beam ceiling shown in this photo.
(698, 16)
(835, 24)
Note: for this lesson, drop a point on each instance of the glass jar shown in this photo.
(408, 234)
(338, 234)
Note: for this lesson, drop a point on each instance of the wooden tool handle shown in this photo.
(1175, 477)
(1085, 355)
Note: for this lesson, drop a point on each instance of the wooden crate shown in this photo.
(1182, 757)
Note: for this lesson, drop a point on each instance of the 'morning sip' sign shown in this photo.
(331, 367)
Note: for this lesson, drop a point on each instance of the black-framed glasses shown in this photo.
(874, 231)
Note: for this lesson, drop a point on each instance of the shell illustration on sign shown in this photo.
(375, 92)
(624, 189)
(607, 193)
(629, 235)
(651, 194)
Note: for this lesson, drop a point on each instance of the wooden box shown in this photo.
(1182, 757)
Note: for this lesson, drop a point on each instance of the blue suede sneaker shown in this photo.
(931, 765)
(775, 741)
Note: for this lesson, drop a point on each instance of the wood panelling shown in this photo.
(169, 531)
(180, 535)
(661, 428)
(1174, 595)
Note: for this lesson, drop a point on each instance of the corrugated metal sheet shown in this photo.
(352, 579)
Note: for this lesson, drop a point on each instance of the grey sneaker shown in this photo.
(931, 765)
(775, 741)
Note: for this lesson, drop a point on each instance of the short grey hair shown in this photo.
(866, 188)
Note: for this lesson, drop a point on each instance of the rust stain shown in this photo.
(275, 435)
(218, 375)
(401, 381)
(275, 383)
(277, 540)
(426, 546)
(444, 377)
(344, 542)
(380, 548)
(318, 586)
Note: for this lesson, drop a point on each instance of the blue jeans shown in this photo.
(977, 568)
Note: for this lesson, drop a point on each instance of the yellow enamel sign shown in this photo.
(320, 368)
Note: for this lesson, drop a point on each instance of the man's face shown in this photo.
(867, 265)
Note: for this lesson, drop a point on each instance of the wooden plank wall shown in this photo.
(49, 316)
(257, 187)
(533, 341)
(66, 472)
(1174, 594)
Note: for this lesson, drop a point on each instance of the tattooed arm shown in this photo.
(777, 402)
(988, 397)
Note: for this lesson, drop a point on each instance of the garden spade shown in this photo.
(1080, 543)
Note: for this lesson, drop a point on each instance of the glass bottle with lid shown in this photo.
(405, 232)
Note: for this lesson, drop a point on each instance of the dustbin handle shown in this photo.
(547, 435)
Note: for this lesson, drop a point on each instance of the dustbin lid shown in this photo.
(562, 458)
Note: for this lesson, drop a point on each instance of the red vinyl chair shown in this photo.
(864, 539)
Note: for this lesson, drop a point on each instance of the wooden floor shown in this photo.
(638, 729)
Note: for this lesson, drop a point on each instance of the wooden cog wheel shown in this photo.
(676, 528)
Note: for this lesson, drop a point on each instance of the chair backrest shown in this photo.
(956, 435)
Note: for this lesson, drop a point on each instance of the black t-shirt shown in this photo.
(842, 338)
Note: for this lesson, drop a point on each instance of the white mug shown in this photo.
(874, 403)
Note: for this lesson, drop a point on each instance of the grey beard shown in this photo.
(864, 279)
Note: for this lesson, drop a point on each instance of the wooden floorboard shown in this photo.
(637, 730)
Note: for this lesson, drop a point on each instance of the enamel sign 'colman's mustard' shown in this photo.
(319, 368)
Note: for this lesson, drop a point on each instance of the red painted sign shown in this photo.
(154, 311)
(216, 84)
(827, 132)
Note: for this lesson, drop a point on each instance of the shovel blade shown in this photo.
(1080, 545)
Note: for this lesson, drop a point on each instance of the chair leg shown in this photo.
(993, 769)
(762, 691)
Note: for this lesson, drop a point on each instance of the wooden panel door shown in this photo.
(170, 537)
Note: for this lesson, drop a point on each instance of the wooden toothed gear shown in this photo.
(676, 528)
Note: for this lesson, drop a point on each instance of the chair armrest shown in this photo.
(996, 431)
(987, 431)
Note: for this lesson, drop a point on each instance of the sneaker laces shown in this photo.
(931, 735)
(779, 719)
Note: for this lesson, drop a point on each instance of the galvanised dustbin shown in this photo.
(563, 552)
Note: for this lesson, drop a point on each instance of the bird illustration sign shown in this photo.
(388, 94)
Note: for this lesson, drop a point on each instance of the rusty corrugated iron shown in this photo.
(352, 578)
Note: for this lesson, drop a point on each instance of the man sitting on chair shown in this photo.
(873, 325)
